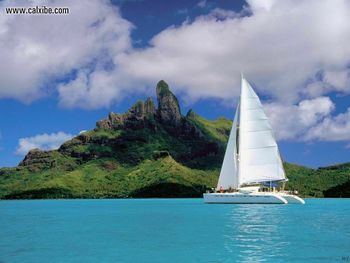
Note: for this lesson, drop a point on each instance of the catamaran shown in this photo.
(252, 166)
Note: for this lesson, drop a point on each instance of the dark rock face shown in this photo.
(145, 115)
(114, 121)
(137, 111)
(168, 106)
(37, 159)
(70, 148)
(139, 116)
(34, 156)
(150, 110)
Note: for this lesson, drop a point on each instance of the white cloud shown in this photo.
(37, 50)
(280, 46)
(335, 128)
(261, 6)
(309, 120)
(340, 79)
(330, 80)
(89, 90)
(294, 121)
(42, 141)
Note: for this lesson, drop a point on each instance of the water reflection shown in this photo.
(252, 233)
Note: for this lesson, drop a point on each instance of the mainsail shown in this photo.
(257, 158)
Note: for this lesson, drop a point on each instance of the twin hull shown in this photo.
(251, 198)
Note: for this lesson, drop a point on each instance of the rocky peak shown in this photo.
(150, 110)
(143, 113)
(113, 121)
(168, 106)
(137, 117)
(38, 159)
(137, 110)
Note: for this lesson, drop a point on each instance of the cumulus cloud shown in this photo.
(335, 128)
(331, 80)
(309, 120)
(40, 50)
(294, 121)
(340, 80)
(89, 90)
(280, 46)
(87, 55)
(42, 141)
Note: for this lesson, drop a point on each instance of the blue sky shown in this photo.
(72, 70)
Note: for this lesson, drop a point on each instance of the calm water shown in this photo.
(173, 230)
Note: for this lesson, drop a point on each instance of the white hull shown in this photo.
(292, 199)
(251, 198)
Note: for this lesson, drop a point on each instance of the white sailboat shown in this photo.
(252, 162)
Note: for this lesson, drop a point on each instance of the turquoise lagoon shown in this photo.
(173, 230)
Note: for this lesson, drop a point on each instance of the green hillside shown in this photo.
(147, 152)
(318, 182)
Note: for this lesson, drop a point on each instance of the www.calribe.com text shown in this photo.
(37, 10)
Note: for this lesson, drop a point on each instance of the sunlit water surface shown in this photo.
(173, 230)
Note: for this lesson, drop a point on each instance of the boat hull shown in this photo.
(293, 199)
(244, 198)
